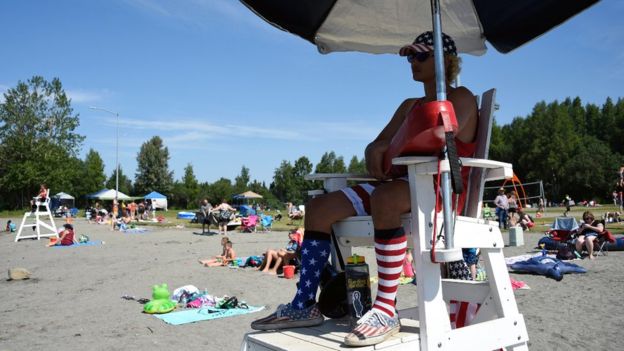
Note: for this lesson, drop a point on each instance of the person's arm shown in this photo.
(466, 112)
(374, 152)
(598, 228)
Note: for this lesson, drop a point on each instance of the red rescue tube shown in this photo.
(421, 134)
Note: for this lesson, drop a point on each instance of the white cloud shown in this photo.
(83, 96)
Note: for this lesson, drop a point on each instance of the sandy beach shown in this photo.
(73, 300)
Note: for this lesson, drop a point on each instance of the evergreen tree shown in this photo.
(241, 181)
(283, 186)
(125, 184)
(329, 163)
(187, 191)
(357, 166)
(153, 168)
(93, 176)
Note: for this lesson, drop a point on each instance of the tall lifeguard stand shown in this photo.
(40, 215)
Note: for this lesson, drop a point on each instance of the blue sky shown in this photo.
(225, 89)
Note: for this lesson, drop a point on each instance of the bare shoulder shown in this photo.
(462, 96)
(407, 104)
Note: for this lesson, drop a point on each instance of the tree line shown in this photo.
(575, 149)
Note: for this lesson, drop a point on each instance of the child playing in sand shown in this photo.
(227, 255)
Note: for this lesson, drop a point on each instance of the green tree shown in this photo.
(153, 167)
(220, 190)
(125, 184)
(357, 166)
(186, 193)
(283, 185)
(242, 180)
(329, 163)
(37, 139)
(93, 176)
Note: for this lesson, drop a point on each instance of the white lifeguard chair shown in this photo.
(38, 223)
(427, 326)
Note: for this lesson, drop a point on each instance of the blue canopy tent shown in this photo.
(158, 200)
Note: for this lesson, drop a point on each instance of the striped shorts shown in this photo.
(359, 195)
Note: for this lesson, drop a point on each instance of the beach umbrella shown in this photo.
(248, 195)
(378, 27)
(384, 26)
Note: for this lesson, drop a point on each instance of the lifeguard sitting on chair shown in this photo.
(385, 201)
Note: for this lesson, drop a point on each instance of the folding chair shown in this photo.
(266, 222)
(249, 223)
(601, 245)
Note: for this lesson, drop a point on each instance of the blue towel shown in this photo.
(88, 243)
(203, 314)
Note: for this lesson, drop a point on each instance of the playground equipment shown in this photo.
(39, 223)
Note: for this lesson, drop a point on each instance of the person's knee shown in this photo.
(389, 199)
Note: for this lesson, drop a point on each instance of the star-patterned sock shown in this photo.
(315, 251)
(390, 247)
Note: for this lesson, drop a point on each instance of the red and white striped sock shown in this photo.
(390, 246)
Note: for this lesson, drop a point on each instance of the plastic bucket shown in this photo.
(289, 272)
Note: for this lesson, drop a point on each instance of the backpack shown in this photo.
(83, 238)
(566, 253)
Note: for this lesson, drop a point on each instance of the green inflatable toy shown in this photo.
(160, 301)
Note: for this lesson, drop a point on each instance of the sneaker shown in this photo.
(287, 317)
(373, 328)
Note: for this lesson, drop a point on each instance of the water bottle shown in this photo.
(358, 287)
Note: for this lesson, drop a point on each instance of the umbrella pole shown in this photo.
(438, 53)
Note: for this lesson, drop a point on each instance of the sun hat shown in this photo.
(424, 43)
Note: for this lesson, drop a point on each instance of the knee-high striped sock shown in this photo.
(315, 250)
(390, 246)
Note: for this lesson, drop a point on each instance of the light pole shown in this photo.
(116, 149)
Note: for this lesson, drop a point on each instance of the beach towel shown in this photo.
(135, 231)
(88, 243)
(203, 314)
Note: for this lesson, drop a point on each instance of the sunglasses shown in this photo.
(588, 218)
(418, 56)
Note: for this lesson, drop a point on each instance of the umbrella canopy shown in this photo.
(108, 194)
(385, 26)
(154, 195)
(248, 195)
(63, 196)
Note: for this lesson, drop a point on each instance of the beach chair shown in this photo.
(249, 223)
(601, 244)
(427, 326)
(266, 222)
(561, 233)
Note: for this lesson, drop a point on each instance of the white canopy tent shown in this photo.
(109, 194)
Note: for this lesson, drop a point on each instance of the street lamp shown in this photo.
(116, 149)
